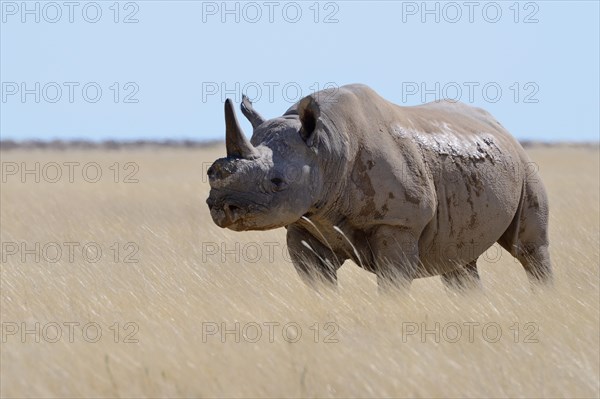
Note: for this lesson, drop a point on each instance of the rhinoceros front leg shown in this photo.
(395, 257)
(314, 262)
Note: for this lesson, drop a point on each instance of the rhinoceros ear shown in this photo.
(309, 113)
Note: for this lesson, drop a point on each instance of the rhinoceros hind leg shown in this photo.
(465, 278)
(527, 237)
(536, 262)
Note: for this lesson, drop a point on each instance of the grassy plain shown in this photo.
(193, 281)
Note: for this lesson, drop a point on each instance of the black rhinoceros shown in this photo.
(405, 192)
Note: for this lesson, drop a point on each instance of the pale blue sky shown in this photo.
(180, 56)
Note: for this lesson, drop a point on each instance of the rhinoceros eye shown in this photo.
(278, 184)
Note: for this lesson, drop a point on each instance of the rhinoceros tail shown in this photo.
(510, 238)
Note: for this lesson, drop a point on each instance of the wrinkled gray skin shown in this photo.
(418, 191)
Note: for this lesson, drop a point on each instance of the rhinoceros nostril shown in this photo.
(233, 209)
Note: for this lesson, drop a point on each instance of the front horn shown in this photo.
(237, 144)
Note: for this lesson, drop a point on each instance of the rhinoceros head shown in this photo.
(270, 181)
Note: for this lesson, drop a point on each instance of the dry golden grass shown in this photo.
(179, 285)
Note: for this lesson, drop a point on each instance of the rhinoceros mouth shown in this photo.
(225, 214)
(238, 218)
(229, 213)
